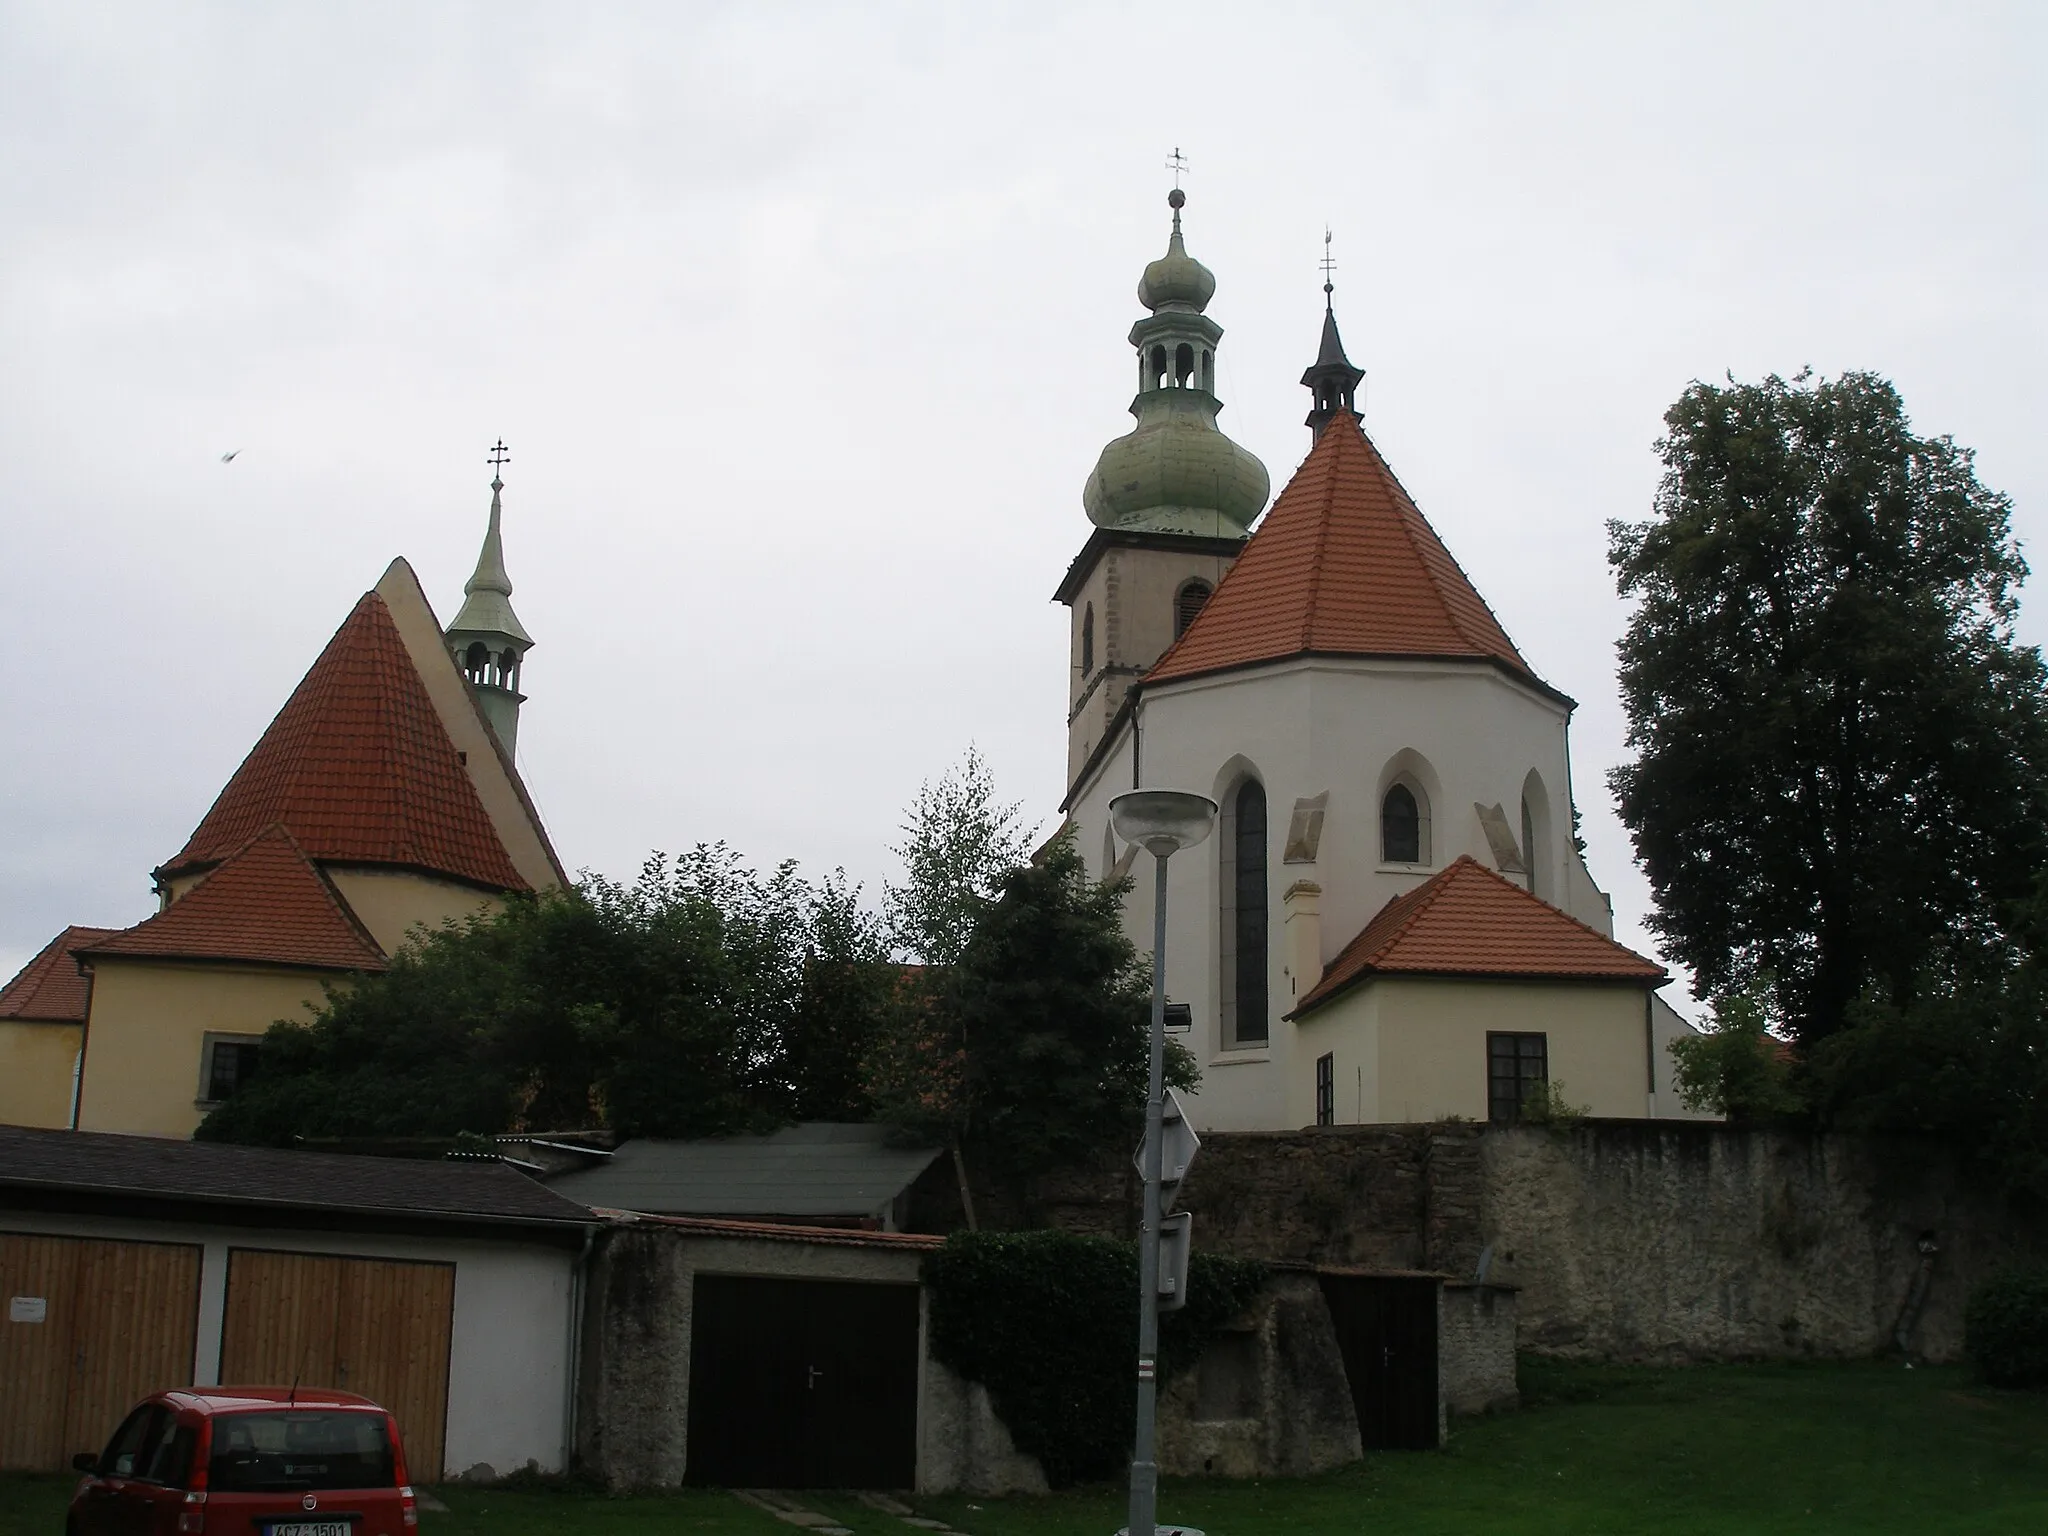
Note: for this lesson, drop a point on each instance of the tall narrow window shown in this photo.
(1088, 641)
(1249, 911)
(1529, 843)
(1187, 602)
(1517, 1069)
(1326, 1088)
(1400, 827)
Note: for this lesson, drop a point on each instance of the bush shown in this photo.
(2005, 1329)
(1048, 1322)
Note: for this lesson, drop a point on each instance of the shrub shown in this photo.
(1048, 1322)
(2005, 1329)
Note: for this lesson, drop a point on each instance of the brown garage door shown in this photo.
(91, 1326)
(375, 1326)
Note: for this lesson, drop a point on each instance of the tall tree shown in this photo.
(958, 843)
(1839, 747)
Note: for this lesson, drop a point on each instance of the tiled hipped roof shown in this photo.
(359, 767)
(51, 988)
(1468, 921)
(267, 903)
(1343, 564)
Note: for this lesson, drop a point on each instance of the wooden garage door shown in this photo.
(116, 1322)
(375, 1326)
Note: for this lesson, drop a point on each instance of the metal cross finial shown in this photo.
(1176, 163)
(1329, 265)
(500, 455)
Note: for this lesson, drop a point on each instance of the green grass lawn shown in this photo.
(1599, 1451)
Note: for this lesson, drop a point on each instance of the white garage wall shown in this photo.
(508, 1365)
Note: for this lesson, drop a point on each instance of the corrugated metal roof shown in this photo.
(802, 1170)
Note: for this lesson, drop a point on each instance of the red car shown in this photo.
(247, 1461)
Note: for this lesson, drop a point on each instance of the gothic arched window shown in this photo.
(1088, 641)
(1400, 827)
(1187, 602)
(1245, 957)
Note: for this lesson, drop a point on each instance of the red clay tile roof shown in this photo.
(360, 768)
(1468, 921)
(50, 987)
(1343, 564)
(268, 903)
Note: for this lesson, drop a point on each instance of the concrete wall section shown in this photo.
(146, 1035)
(36, 1065)
(508, 1368)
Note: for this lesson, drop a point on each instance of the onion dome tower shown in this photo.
(1172, 502)
(487, 639)
(1176, 472)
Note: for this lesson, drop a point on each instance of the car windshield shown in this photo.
(299, 1448)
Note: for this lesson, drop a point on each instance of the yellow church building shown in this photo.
(382, 797)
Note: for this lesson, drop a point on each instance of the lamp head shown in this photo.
(1163, 821)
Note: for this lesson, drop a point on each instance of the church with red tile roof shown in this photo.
(381, 799)
(1392, 920)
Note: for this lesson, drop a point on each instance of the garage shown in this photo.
(91, 1326)
(380, 1327)
(446, 1290)
(802, 1383)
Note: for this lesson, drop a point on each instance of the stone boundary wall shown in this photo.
(1630, 1240)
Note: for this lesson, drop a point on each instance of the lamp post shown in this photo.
(1162, 821)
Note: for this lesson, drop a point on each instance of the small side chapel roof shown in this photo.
(1344, 564)
(360, 768)
(267, 903)
(1468, 921)
(50, 989)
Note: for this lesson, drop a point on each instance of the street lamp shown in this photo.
(1162, 821)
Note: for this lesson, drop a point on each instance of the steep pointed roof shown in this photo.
(1468, 921)
(267, 903)
(50, 988)
(359, 767)
(1344, 564)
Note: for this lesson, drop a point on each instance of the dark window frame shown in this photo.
(1252, 1024)
(1515, 1059)
(1188, 601)
(244, 1050)
(1326, 1088)
(1400, 825)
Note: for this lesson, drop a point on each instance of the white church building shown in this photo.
(1392, 921)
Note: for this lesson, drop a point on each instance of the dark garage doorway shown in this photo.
(802, 1384)
(1386, 1331)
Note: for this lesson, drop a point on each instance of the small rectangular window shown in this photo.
(230, 1064)
(1326, 1088)
(1517, 1067)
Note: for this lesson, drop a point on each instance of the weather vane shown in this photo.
(1176, 163)
(500, 456)
(1329, 263)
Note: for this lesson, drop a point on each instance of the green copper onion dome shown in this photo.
(1177, 472)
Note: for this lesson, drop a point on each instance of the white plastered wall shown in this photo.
(1306, 727)
(508, 1359)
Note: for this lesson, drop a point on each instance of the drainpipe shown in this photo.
(577, 1289)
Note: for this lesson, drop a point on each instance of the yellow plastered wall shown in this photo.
(35, 1072)
(148, 1027)
(392, 902)
(1414, 1049)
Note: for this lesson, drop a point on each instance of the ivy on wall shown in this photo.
(1048, 1323)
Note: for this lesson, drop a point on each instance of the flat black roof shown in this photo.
(79, 1170)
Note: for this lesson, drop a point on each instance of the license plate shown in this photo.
(307, 1528)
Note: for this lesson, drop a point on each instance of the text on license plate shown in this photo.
(307, 1528)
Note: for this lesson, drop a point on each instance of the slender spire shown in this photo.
(486, 638)
(1331, 379)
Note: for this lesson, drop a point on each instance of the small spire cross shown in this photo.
(1176, 163)
(1328, 263)
(500, 455)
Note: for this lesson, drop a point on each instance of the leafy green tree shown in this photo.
(1738, 1068)
(1050, 1007)
(703, 998)
(958, 843)
(1838, 744)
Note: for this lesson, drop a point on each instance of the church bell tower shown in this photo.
(1172, 502)
(487, 639)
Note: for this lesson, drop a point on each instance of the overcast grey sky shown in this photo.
(805, 325)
